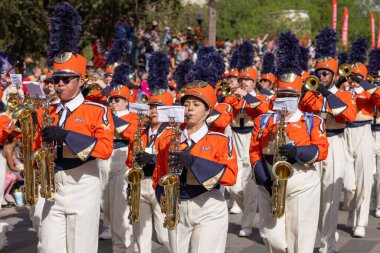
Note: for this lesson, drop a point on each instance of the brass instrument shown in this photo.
(345, 70)
(282, 170)
(170, 182)
(144, 98)
(226, 89)
(370, 79)
(24, 116)
(311, 83)
(44, 158)
(89, 83)
(134, 176)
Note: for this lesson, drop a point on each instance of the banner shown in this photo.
(372, 19)
(334, 13)
(345, 28)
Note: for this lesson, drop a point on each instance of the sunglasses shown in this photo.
(171, 88)
(323, 73)
(65, 80)
(116, 100)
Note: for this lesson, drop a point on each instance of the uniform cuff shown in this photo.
(120, 125)
(261, 173)
(159, 191)
(80, 144)
(266, 92)
(369, 87)
(307, 155)
(208, 173)
(220, 98)
(252, 101)
(336, 105)
(212, 117)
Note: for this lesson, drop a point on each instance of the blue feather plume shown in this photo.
(342, 58)
(205, 50)
(65, 30)
(209, 68)
(180, 74)
(159, 65)
(121, 75)
(359, 51)
(326, 43)
(304, 58)
(118, 51)
(268, 63)
(374, 61)
(288, 54)
(234, 59)
(245, 55)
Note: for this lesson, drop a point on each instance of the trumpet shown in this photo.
(144, 98)
(345, 70)
(227, 90)
(311, 83)
(370, 79)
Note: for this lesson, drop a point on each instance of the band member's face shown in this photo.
(108, 79)
(266, 84)
(325, 76)
(118, 104)
(67, 88)
(247, 84)
(172, 92)
(233, 81)
(153, 114)
(48, 88)
(196, 111)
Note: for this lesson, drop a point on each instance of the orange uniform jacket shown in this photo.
(307, 133)
(214, 163)
(365, 108)
(97, 96)
(162, 132)
(246, 109)
(6, 127)
(339, 108)
(220, 117)
(91, 132)
(125, 126)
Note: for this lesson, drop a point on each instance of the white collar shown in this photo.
(195, 137)
(72, 104)
(122, 113)
(333, 89)
(291, 117)
(253, 93)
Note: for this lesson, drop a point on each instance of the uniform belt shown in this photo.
(120, 144)
(242, 130)
(375, 128)
(358, 123)
(69, 163)
(192, 191)
(333, 132)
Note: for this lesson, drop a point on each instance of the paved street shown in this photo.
(22, 238)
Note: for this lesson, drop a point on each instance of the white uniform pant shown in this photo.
(332, 173)
(376, 136)
(359, 172)
(143, 229)
(3, 173)
(35, 215)
(202, 226)
(114, 204)
(296, 230)
(70, 223)
(244, 192)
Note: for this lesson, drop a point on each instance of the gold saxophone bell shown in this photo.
(311, 83)
(345, 70)
(370, 79)
(144, 98)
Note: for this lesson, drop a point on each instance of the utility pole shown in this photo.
(212, 22)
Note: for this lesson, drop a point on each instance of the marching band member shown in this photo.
(207, 160)
(358, 136)
(84, 132)
(373, 69)
(247, 104)
(113, 185)
(150, 137)
(336, 107)
(267, 77)
(304, 143)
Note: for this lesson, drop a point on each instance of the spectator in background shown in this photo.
(155, 37)
(167, 37)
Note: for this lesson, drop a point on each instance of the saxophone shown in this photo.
(24, 116)
(44, 158)
(282, 170)
(170, 201)
(134, 176)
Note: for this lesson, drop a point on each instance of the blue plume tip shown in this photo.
(234, 59)
(304, 58)
(159, 65)
(326, 43)
(374, 61)
(180, 74)
(245, 53)
(121, 75)
(359, 51)
(288, 54)
(118, 51)
(268, 63)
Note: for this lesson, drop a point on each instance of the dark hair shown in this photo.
(10, 139)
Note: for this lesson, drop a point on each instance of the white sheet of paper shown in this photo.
(35, 89)
(171, 113)
(16, 80)
(139, 108)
